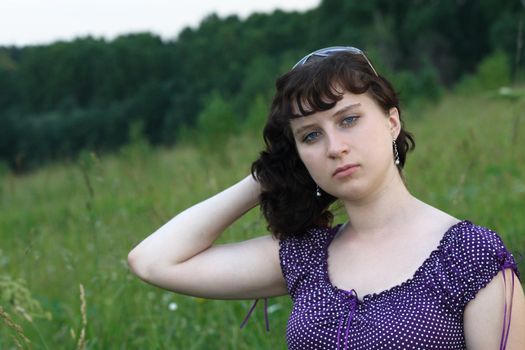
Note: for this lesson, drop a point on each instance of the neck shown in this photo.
(388, 207)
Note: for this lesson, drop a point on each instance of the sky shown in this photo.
(29, 22)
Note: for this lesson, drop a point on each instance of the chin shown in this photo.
(350, 195)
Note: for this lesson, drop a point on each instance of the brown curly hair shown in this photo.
(288, 200)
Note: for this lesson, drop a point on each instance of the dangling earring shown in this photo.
(318, 191)
(396, 153)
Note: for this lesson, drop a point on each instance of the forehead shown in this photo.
(347, 99)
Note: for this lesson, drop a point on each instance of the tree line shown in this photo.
(60, 99)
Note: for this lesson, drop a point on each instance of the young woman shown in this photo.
(399, 274)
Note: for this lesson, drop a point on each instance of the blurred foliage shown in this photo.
(16, 297)
(493, 72)
(60, 99)
(73, 223)
(215, 123)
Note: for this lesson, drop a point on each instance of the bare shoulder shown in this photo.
(435, 221)
(484, 315)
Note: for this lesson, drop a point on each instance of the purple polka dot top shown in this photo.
(424, 312)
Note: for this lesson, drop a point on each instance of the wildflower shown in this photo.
(273, 308)
(172, 306)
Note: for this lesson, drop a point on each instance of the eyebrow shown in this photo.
(341, 111)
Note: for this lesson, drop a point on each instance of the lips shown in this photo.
(345, 170)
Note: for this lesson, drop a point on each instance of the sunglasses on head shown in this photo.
(329, 51)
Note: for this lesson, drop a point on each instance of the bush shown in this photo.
(215, 123)
(492, 73)
(257, 115)
(418, 86)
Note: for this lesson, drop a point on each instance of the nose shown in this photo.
(337, 145)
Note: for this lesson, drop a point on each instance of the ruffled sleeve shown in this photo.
(471, 256)
(480, 254)
(299, 256)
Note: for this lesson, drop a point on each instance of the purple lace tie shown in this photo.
(506, 323)
(352, 295)
(267, 322)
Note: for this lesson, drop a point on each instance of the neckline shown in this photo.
(332, 232)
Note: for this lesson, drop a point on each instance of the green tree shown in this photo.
(215, 123)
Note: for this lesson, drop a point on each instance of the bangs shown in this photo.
(318, 86)
(314, 99)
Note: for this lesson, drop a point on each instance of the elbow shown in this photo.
(138, 264)
(146, 266)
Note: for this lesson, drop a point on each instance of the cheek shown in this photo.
(311, 162)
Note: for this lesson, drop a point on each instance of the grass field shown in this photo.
(72, 224)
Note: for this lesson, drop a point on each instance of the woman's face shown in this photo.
(348, 148)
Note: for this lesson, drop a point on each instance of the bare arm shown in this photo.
(180, 255)
(483, 318)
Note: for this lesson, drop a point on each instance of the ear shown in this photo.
(394, 122)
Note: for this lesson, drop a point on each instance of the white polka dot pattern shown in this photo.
(424, 312)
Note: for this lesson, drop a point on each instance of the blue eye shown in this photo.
(311, 137)
(347, 121)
